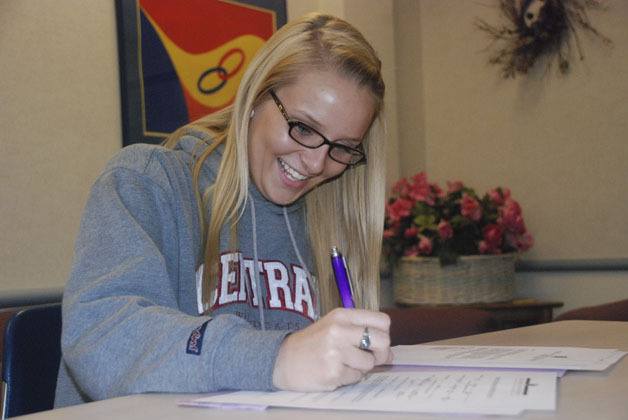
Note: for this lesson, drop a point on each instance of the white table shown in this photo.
(581, 395)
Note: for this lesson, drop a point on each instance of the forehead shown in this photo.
(333, 103)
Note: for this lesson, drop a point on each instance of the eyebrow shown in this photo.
(310, 119)
(318, 126)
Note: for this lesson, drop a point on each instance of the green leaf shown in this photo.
(458, 221)
(425, 221)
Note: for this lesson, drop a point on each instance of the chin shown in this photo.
(285, 196)
(287, 199)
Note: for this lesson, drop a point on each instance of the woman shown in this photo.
(204, 264)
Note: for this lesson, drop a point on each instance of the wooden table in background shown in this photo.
(515, 313)
(520, 312)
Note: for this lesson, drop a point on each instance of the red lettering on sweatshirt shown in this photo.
(286, 289)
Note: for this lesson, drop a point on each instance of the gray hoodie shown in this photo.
(132, 318)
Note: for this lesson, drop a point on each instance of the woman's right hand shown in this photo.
(326, 354)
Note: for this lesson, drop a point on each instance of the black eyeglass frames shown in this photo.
(309, 137)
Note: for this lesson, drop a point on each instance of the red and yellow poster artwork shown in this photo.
(191, 55)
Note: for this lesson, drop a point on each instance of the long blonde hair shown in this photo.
(348, 211)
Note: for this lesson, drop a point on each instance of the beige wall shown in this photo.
(59, 123)
(410, 92)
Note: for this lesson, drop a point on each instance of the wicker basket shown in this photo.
(473, 279)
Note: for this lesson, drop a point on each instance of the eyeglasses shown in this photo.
(308, 137)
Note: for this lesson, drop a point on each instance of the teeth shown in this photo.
(291, 172)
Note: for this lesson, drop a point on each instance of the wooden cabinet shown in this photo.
(515, 313)
(520, 312)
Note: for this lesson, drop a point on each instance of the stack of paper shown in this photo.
(518, 357)
(503, 380)
(478, 392)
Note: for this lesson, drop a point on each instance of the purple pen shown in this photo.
(341, 273)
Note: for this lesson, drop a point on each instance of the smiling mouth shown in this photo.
(290, 172)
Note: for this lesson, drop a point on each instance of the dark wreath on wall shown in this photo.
(536, 29)
(181, 60)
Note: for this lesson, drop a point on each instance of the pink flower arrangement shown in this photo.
(424, 220)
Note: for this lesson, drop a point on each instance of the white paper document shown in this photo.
(518, 357)
(429, 391)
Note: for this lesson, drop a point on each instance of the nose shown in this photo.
(314, 160)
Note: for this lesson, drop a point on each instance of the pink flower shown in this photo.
(411, 232)
(401, 187)
(454, 186)
(389, 233)
(422, 194)
(511, 218)
(420, 190)
(519, 242)
(413, 251)
(499, 195)
(420, 178)
(492, 235)
(437, 191)
(470, 208)
(483, 247)
(525, 242)
(425, 245)
(399, 209)
(445, 231)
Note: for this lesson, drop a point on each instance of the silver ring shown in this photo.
(365, 342)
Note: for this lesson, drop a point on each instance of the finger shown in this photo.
(382, 356)
(362, 318)
(379, 344)
(377, 338)
(377, 320)
(364, 361)
(350, 376)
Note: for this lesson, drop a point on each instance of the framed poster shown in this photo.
(181, 60)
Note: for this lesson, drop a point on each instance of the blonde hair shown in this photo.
(348, 211)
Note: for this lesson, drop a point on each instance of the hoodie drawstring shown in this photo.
(260, 300)
(258, 289)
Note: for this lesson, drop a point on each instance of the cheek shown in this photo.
(276, 143)
(262, 149)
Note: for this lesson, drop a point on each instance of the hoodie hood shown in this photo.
(194, 143)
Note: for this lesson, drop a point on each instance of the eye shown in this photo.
(353, 144)
(302, 130)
